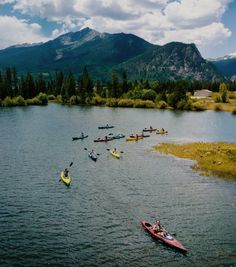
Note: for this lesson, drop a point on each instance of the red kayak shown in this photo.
(149, 130)
(167, 239)
(103, 139)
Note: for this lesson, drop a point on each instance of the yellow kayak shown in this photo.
(134, 138)
(115, 154)
(65, 180)
(161, 132)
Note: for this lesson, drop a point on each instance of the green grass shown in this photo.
(212, 158)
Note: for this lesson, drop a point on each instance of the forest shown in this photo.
(67, 88)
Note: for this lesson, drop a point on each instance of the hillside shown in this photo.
(103, 52)
(226, 66)
(172, 61)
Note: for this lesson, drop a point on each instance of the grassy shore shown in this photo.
(212, 158)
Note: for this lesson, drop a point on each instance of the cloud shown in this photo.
(195, 13)
(15, 31)
(157, 21)
(213, 34)
(3, 2)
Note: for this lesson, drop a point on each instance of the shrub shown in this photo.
(144, 104)
(218, 108)
(7, 102)
(218, 98)
(162, 104)
(74, 100)
(33, 101)
(43, 98)
(184, 104)
(126, 103)
(18, 101)
(198, 106)
(134, 94)
(224, 97)
(51, 97)
(181, 104)
(59, 99)
(112, 102)
(97, 100)
(149, 94)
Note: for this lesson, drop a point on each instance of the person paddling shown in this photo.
(66, 172)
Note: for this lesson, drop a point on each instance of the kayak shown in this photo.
(118, 136)
(103, 139)
(141, 135)
(161, 132)
(93, 156)
(65, 180)
(134, 138)
(105, 127)
(149, 130)
(115, 154)
(168, 240)
(81, 137)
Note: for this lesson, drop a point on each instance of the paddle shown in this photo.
(98, 154)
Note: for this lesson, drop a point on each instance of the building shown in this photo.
(204, 93)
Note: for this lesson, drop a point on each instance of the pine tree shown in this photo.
(58, 82)
(85, 86)
(115, 85)
(40, 85)
(124, 86)
(30, 91)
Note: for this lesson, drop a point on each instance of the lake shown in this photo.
(96, 221)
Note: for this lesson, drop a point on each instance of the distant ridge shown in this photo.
(104, 52)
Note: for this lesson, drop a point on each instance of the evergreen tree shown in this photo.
(30, 91)
(58, 82)
(124, 86)
(40, 85)
(85, 86)
(15, 87)
(68, 87)
(115, 85)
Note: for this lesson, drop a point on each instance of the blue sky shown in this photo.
(207, 23)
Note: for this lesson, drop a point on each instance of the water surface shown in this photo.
(96, 222)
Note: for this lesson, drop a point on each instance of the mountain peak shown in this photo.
(78, 37)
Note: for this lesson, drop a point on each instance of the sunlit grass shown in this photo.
(212, 158)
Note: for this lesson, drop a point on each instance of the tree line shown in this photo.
(82, 88)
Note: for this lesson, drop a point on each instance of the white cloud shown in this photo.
(195, 13)
(212, 35)
(3, 2)
(157, 21)
(15, 31)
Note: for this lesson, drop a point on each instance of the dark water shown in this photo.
(96, 222)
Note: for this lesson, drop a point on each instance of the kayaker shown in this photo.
(114, 149)
(157, 226)
(82, 134)
(136, 137)
(106, 138)
(66, 172)
(151, 127)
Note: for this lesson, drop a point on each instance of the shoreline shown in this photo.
(211, 158)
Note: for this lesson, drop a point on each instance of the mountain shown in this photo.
(102, 52)
(172, 61)
(226, 65)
